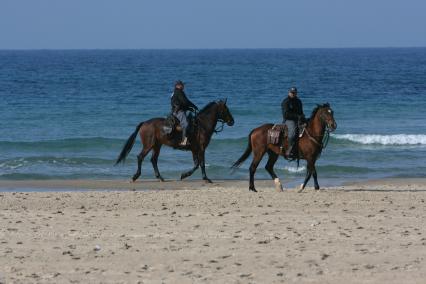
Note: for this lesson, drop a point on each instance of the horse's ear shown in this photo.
(224, 102)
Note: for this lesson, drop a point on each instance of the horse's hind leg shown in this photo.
(141, 156)
(270, 169)
(154, 160)
(256, 160)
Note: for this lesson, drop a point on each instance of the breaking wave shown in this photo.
(394, 139)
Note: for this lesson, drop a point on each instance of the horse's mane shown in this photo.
(208, 106)
(316, 109)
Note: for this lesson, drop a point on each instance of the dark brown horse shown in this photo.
(309, 146)
(153, 137)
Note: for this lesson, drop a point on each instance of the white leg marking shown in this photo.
(278, 185)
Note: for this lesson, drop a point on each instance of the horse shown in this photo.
(309, 146)
(153, 137)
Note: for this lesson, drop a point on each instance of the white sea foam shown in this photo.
(8, 166)
(395, 139)
(295, 169)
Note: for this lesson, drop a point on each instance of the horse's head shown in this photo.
(223, 112)
(326, 115)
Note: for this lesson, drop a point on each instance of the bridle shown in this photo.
(219, 128)
(220, 120)
(323, 144)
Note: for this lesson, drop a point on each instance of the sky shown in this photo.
(181, 24)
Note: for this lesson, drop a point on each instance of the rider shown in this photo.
(180, 104)
(292, 110)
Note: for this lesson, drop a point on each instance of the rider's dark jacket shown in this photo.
(292, 109)
(179, 101)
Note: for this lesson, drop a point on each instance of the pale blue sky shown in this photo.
(70, 24)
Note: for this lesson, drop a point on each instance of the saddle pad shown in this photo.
(280, 127)
(275, 133)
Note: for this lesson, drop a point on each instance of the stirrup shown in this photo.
(290, 155)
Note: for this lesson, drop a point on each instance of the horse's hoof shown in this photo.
(278, 185)
(252, 189)
(161, 179)
(208, 180)
(183, 177)
(317, 188)
(301, 188)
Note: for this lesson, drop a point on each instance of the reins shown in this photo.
(324, 141)
(220, 128)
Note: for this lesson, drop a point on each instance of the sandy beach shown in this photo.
(369, 232)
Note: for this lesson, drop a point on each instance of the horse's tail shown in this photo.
(129, 145)
(245, 155)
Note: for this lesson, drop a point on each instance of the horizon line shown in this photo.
(213, 48)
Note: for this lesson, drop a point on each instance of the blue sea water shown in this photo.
(66, 114)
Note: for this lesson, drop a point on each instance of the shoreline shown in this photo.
(155, 185)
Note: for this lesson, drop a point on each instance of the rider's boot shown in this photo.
(289, 154)
(184, 141)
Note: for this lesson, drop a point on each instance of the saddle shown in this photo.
(172, 126)
(277, 135)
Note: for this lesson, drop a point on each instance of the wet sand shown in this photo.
(370, 232)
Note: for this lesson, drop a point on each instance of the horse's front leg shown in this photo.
(196, 165)
(309, 171)
(314, 174)
(203, 166)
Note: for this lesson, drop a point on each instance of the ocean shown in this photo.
(65, 114)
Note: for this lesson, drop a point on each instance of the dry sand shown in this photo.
(360, 233)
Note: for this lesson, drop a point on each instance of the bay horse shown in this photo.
(153, 137)
(309, 146)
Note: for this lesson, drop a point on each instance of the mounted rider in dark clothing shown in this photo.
(292, 110)
(181, 104)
